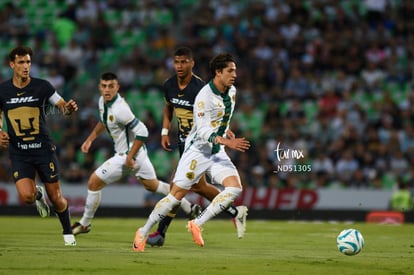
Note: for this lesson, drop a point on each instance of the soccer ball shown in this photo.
(350, 242)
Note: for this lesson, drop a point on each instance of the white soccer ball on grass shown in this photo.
(350, 242)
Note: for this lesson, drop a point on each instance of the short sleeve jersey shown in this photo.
(182, 102)
(212, 114)
(121, 124)
(25, 112)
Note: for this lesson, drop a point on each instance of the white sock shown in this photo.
(186, 206)
(163, 188)
(161, 209)
(91, 205)
(218, 204)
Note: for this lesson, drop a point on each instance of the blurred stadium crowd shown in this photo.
(330, 79)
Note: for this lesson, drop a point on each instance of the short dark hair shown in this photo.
(184, 51)
(219, 62)
(20, 51)
(109, 76)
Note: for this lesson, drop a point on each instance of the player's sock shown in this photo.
(163, 188)
(165, 223)
(64, 218)
(161, 209)
(38, 195)
(91, 205)
(232, 211)
(186, 206)
(220, 202)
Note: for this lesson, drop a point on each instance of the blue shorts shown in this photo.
(45, 166)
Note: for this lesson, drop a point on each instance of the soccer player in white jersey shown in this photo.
(128, 135)
(204, 152)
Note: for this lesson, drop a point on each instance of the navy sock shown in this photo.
(232, 211)
(64, 218)
(38, 195)
(163, 225)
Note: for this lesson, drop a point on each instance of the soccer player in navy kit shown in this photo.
(24, 101)
(180, 91)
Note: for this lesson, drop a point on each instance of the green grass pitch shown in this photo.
(31, 245)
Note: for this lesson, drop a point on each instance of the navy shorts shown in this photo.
(45, 166)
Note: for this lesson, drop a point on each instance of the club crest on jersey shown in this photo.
(111, 118)
(17, 100)
(190, 175)
(200, 105)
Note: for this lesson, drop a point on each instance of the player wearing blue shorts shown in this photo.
(25, 101)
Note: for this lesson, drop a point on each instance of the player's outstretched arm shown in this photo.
(239, 144)
(67, 108)
(99, 129)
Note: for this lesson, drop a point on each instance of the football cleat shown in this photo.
(78, 228)
(139, 241)
(195, 211)
(155, 239)
(240, 220)
(41, 204)
(195, 231)
(69, 240)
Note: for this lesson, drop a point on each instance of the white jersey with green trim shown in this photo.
(212, 114)
(121, 124)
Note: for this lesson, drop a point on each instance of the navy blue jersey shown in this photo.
(25, 114)
(182, 102)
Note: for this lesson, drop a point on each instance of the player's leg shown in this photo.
(30, 193)
(209, 191)
(185, 176)
(161, 209)
(48, 171)
(110, 171)
(147, 176)
(61, 207)
(224, 172)
(24, 176)
(239, 213)
(158, 186)
(93, 200)
(157, 238)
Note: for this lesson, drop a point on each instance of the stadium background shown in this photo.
(331, 79)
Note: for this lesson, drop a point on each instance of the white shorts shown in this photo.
(114, 168)
(193, 164)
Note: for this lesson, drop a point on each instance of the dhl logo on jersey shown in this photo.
(181, 102)
(17, 100)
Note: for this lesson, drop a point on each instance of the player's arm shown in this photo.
(239, 144)
(166, 125)
(66, 108)
(202, 116)
(4, 137)
(98, 130)
(141, 135)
